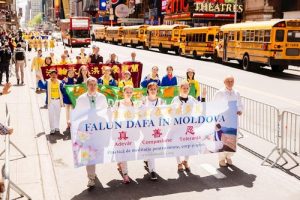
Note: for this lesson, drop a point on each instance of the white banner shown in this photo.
(102, 136)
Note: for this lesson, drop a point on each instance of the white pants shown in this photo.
(151, 165)
(186, 158)
(225, 155)
(68, 110)
(20, 67)
(54, 108)
(91, 171)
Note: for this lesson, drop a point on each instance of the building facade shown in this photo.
(201, 12)
(9, 19)
(258, 10)
(36, 8)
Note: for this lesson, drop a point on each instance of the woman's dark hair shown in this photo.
(80, 71)
(187, 76)
(48, 58)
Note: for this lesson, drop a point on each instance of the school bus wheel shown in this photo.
(180, 52)
(246, 63)
(145, 46)
(216, 58)
(278, 68)
(195, 54)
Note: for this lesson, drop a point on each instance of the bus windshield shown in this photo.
(80, 34)
(293, 36)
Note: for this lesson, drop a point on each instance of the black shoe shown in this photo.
(18, 81)
(22, 83)
(153, 176)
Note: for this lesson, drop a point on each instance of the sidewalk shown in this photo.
(33, 174)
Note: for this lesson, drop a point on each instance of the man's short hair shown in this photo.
(91, 79)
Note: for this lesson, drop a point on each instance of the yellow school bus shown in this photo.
(99, 33)
(113, 34)
(164, 37)
(199, 41)
(274, 43)
(134, 35)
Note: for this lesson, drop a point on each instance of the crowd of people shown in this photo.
(56, 96)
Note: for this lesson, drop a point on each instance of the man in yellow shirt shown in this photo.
(36, 65)
(54, 88)
(64, 60)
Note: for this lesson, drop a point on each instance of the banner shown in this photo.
(115, 93)
(135, 68)
(115, 135)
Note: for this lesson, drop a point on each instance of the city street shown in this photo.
(48, 171)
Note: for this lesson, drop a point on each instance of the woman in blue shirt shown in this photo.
(169, 79)
(153, 77)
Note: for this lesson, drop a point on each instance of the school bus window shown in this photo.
(252, 34)
(293, 36)
(221, 36)
(176, 33)
(244, 36)
(267, 36)
(210, 38)
(238, 36)
(141, 31)
(279, 36)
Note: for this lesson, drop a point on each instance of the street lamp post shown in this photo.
(235, 11)
(111, 13)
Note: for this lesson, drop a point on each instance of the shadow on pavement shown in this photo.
(270, 162)
(141, 188)
(58, 136)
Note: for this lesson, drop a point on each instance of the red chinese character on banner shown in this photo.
(190, 130)
(123, 135)
(157, 133)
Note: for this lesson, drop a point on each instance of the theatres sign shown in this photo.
(187, 9)
(218, 6)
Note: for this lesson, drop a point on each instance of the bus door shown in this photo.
(225, 59)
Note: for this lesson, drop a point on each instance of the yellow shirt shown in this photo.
(52, 43)
(37, 63)
(124, 83)
(64, 62)
(55, 90)
(196, 85)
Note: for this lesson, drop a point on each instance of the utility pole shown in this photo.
(235, 11)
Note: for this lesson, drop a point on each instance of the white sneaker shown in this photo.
(91, 182)
(52, 131)
(57, 130)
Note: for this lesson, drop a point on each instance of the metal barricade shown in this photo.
(268, 123)
(8, 184)
(291, 132)
(259, 119)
